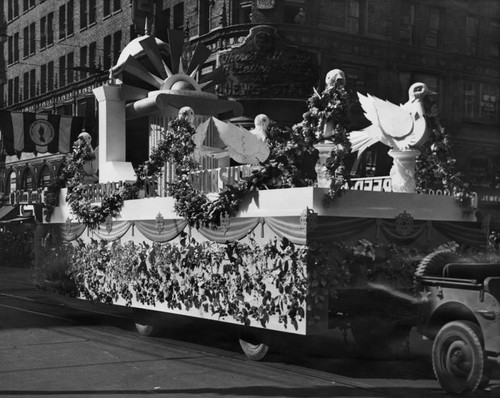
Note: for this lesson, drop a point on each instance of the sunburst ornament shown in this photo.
(160, 68)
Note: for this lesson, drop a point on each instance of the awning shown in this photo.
(17, 219)
(7, 213)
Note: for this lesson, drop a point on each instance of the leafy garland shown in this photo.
(436, 163)
(291, 164)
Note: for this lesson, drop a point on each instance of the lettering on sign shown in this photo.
(265, 66)
(376, 184)
(266, 4)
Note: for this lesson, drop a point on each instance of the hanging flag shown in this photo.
(38, 132)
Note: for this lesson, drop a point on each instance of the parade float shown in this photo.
(259, 227)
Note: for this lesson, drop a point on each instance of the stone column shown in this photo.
(112, 137)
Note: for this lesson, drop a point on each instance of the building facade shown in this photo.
(272, 53)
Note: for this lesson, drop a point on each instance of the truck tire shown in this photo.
(458, 357)
(252, 346)
(143, 322)
(433, 263)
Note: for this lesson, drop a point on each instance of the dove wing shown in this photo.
(369, 108)
(242, 145)
(395, 121)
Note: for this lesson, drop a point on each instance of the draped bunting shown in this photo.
(67, 231)
(324, 229)
(288, 227)
(390, 231)
(38, 132)
(237, 229)
(117, 230)
(338, 229)
(164, 232)
(462, 233)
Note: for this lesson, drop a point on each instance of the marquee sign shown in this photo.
(265, 66)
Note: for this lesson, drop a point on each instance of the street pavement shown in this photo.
(51, 345)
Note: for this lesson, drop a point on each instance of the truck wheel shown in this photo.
(433, 263)
(458, 357)
(252, 347)
(142, 322)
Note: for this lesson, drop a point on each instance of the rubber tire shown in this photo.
(434, 263)
(142, 322)
(145, 330)
(253, 351)
(464, 334)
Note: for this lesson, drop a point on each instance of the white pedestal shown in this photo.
(324, 179)
(403, 170)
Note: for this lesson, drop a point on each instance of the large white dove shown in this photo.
(400, 127)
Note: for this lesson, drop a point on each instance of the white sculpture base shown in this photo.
(323, 177)
(117, 171)
(403, 170)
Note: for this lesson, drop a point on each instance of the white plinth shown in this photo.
(116, 171)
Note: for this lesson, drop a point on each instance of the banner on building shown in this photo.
(38, 132)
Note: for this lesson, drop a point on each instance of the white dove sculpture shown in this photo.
(186, 113)
(401, 127)
(261, 123)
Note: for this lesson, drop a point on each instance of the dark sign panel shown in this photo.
(265, 66)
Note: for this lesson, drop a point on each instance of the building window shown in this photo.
(117, 45)
(43, 79)
(432, 35)
(407, 24)
(83, 62)
(12, 9)
(10, 89)
(292, 12)
(62, 71)
(481, 101)
(70, 20)
(488, 109)
(26, 42)
(32, 38)
(93, 57)
(353, 16)
(70, 64)
(16, 47)
(179, 16)
(471, 35)
(45, 176)
(32, 83)
(163, 22)
(43, 32)
(92, 12)
(50, 76)
(50, 29)
(87, 13)
(111, 6)
(26, 85)
(27, 180)
(13, 182)
(204, 17)
(242, 11)
(26, 5)
(494, 44)
(62, 22)
(107, 52)
(10, 54)
(16, 89)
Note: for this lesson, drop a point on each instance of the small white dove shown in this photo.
(401, 127)
(186, 113)
(261, 123)
(335, 77)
